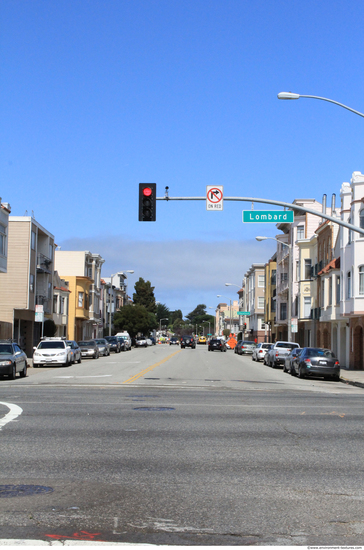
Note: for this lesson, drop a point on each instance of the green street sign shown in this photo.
(272, 216)
(243, 312)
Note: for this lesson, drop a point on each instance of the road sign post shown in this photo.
(214, 197)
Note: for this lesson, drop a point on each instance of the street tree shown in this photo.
(144, 295)
(133, 319)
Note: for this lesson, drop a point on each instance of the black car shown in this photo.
(122, 343)
(188, 342)
(114, 343)
(316, 362)
(217, 344)
(12, 360)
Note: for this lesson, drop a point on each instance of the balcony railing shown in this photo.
(44, 264)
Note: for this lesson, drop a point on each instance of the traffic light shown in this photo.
(147, 202)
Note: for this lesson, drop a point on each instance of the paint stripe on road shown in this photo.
(13, 413)
(145, 371)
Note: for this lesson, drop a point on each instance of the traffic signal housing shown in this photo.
(147, 202)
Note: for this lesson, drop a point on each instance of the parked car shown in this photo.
(113, 343)
(141, 342)
(317, 362)
(126, 337)
(216, 344)
(52, 351)
(244, 347)
(122, 343)
(12, 360)
(277, 355)
(89, 349)
(173, 341)
(290, 359)
(259, 351)
(149, 342)
(188, 342)
(103, 345)
(266, 355)
(202, 340)
(76, 351)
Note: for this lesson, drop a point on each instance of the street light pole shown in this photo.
(290, 95)
(160, 323)
(289, 308)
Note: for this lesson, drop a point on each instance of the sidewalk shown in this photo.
(353, 377)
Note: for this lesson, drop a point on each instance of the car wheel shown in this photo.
(284, 368)
(35, 365)
(300, 373)
(12, 375)
(79, 361)
(23, 372)
(335, 378)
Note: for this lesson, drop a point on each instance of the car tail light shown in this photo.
(308, 361)
(337, 364)
(277, 353)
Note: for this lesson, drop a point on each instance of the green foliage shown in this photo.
(134, 319)
(226, 332)
(162, 312)
(144, 295)
(50, 328)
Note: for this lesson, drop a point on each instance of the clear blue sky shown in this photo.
(97, 96)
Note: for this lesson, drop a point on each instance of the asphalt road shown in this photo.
(183, 447)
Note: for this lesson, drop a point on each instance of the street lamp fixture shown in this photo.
(290, 95)
(289, 312)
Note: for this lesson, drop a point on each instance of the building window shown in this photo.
(51, 251)
(31, 283)
(260, 302)
(62, 305)
(348, 280)
(261, 281)
(361, 280)
(55, 303)
(33, 238)
(308, 265)
(283, 312)
(338, 290)
(361, 218)
(300, 232)
(350, 237)
(307, 307)
(323, 293)
(80, 299)
(330, 292)
(2, 240)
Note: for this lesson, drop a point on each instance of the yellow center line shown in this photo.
(148, 369)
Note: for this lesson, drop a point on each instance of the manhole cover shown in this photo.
(8, 491)
(153, 409)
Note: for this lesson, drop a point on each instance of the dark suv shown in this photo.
(188, 342)
(218, 344)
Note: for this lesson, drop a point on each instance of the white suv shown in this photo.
(52, 351)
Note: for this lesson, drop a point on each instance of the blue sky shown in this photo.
(97, 96)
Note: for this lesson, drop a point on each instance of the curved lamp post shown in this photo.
(290, 95)
(289, 309)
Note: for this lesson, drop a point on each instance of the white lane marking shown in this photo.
(14, 412)
(97, 376)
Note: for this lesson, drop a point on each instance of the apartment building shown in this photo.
(270, 298)
(227, 317)
(113, 297)
(82, 271)
(255, 301)
(27, 283)
(61, 298)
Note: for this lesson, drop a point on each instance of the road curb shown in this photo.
(352, 382)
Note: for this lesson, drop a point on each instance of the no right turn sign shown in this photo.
(214, 197)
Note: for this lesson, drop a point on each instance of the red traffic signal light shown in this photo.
(147, 202)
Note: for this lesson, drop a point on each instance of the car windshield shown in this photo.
(100, 342)
(6, 349)
(86, 343)
(52, 345)
(111, 339)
